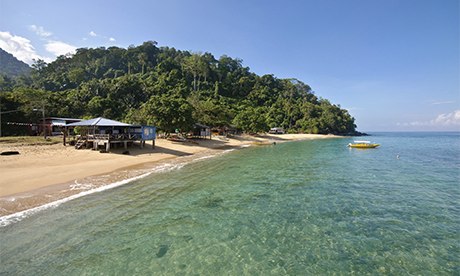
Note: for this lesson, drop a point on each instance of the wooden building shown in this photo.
(201, 131)
(100, 131)
(53, 126)
(276, 130)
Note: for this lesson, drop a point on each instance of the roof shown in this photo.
(63, 119)
(201, 125)
(57, 121)
(100, 121)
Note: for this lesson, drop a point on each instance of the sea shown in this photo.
(313, 207)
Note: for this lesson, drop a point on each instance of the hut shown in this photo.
(201, 131)
(101, 131)
(52, 126)
(276, 130)
(225, 130)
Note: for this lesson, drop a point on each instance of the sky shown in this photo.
(393, 64)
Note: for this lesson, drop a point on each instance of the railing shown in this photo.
(113, 137)
(98, 136)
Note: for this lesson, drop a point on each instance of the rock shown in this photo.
(10, 153)
(162, 251)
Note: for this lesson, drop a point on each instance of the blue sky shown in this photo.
(394, 64)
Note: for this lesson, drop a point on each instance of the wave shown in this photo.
(90, 188)
(16, 217)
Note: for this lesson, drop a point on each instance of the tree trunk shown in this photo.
(194, 82)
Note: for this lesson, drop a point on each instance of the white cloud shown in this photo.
(22, 48)
(54, 47)
(351, 108)
(442, 102)
(58, 48)
(451, 119)
(39, 30)
(94, 34)
(19, 47)
(447, 119)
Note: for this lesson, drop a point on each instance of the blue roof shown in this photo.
(99, 122)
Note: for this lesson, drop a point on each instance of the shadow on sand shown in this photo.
(135, 150)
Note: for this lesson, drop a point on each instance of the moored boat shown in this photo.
(363, 145)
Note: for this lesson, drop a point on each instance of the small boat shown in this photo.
(263, 143)
(363, 145)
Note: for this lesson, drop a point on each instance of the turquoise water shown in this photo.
(299, 208)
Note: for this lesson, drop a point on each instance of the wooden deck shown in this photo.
(107, 140)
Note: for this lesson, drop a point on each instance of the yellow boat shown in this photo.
(363, 145)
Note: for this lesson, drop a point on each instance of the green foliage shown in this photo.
(168, 112)
(171, 89)
(11, 66)
(210, 109)
(252, 119)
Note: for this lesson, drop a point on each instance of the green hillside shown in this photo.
(11, 66)
(173, 89)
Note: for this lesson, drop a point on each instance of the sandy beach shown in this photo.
(45, 173)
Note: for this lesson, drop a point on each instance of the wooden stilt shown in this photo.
(65, 134)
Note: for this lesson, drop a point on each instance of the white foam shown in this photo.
(81, 186)
(212, 155)
(204, 157)
(8, 219)
(167, 167)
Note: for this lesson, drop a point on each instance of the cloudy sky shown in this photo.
(394, 64)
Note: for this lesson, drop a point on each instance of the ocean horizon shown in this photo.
(296, 208)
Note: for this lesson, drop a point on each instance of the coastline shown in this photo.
(43, 175)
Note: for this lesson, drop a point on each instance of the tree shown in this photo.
(208, 110)
(31, 99)
(143, 58)
(252, 119)
(195, 65)
(173, 89)
(127, 92)
(168, 112)
(6, 83)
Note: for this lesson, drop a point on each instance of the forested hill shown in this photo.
(11, 66)
(172, 89)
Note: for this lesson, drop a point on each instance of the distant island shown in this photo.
(168, 88)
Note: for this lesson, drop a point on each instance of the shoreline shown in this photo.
(43, 175)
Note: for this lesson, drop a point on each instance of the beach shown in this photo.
(41, 174)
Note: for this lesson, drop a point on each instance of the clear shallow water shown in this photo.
(311, 207)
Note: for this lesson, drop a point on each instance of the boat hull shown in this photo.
(363, 146)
